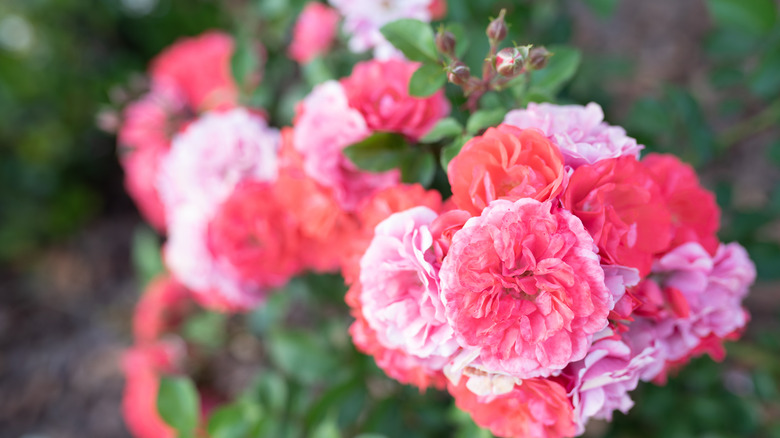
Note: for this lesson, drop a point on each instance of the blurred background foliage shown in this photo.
(700, 79)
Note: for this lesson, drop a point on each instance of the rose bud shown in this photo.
(510, 62)
(537, 58)
(445, 42)
(496, 30)
(459, 74)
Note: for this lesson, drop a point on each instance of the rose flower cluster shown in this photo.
(564, 270)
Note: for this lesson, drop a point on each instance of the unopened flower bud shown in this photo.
(537, 58)
(459, 74)
(496, 30)
(509, 62)
(445, 42)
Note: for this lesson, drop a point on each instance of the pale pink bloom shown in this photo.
(617, 279)
(324, 126)
(524, 285)
(363, 19)
(580, 131)
(713, 288)
(400, 286)
(313, 33)
(215, 153)
(599, 384)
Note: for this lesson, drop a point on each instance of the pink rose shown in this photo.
(399, 278)
(379, 90)
(599, 384)
(579, 131)
(313, 33)
(363, 19)
(525, 286)
(162, 307)
(324, 126)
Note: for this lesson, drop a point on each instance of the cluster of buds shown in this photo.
(500, 66)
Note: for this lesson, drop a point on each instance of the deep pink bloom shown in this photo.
(525, 286)
(579, 131)
(324, 126)
(536, 408)
(694, 210)
(256, 236)
(314, 32)
(142, 367)
(622, 208)
(199, 68)
(379, 90)
(400, 284)
(144, 139)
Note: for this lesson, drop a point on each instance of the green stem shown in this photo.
(765, 119)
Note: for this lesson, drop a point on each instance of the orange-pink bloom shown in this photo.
(505, 163)
(536, 408)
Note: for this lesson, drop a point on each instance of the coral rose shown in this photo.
(162, 307)
(694, 212)
(142, 367)
(579, 131)
(525, 286)
(536, 408)
(379, 90)
(622, 208)
(313, 33)
(505, 163)
(399, 279)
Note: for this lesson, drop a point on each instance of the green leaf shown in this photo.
(317, 71)
(147, 258)
(449, 152)
(483, 119)
(559, 70)
(178, 404)
(602, 8)
(756, 17)
(426, 80)
(326, 429)
(206, 328)
(270, 389)
(301, 356)
(413, 38)
(765, 80)
(418, 167)
(236, 420)
(444, 128)
(380, 152)
(245, 61)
